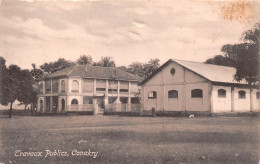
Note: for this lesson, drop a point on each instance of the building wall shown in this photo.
(241, 105)
(256, 102)
(183, 81)
(221, 104)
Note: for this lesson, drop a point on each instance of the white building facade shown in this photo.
(190, 86)
(88, 88)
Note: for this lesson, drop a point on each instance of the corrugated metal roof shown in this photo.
(214, 73)
(94, 72)
(211, 72)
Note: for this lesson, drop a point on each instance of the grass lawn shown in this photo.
(131, 139)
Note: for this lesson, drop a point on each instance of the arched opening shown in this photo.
(172, 94)
(62, 86)
(62, 105)
(41, 88)
(74, 102)
(241, 94)
(196, 93)
(222, 93)
(41, 106)
(75, 86)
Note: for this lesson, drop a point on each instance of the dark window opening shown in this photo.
(100, 89)
(112, 90)
(222, 93)
(74, 102)
(241, 94)
(172, 94)
(123, 90)
(62, 86)
(196, 93)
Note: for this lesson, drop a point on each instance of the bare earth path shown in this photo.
(131, 139)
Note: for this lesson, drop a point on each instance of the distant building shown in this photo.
(190, 86)
(88, 88)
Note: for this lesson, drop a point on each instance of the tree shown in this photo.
(27, 93)
(83, 60)
(123, 68)
(221, 60)
(3, 72)
(60, 64)
(246, 57)
(136, 68)
(36, 72)
(105, 62)
(11, 86)
(151, 66)
(144, 69)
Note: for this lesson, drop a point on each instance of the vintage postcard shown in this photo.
(129, 81)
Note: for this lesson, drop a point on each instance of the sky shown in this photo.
(127, 30)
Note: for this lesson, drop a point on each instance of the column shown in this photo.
(232, 99)
(118, 92)
(51, 85)
(106, 94)
(117, 102)
(94, 86)
(95, 110)
(129, 96)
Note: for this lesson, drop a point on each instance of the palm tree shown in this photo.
(106, 62)
(84, 59)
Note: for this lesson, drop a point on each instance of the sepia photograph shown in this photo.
(129, 81)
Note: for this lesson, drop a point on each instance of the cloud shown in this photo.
(126, 30)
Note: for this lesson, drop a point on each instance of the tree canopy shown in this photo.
(221, 60)
(144, 69)
(60, 64)
(246, 56)
(106, 61)
(84, 59)
(16, 84)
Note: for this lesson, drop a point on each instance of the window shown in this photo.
(241, 94)
(152, 95)
(41, 88)
(75, 86)
(258, 95)
(196, 93)
(172, 94)
(123, 90)
(48, 86)
(172, 71)
(55, 85)
(62, 86)
(74, 102)
(222, 93)
(101, 89)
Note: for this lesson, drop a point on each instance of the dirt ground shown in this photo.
(114, 139)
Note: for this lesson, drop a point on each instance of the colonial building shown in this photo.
(88, 88)
(190, 86)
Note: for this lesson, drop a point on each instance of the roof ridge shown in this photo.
(72, 69)
(202, 63)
